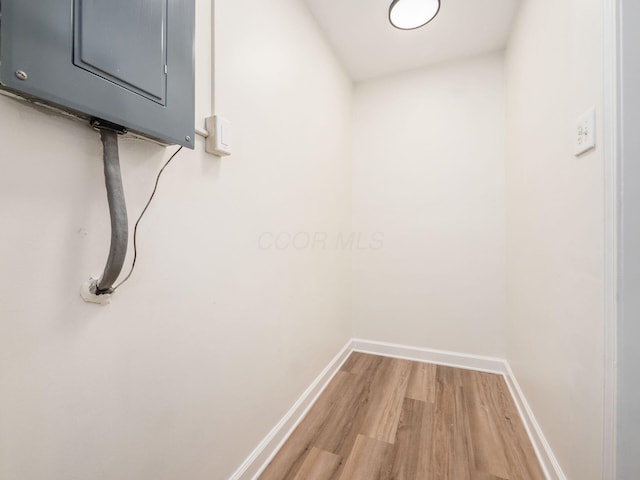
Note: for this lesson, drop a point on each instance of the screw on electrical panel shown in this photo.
(187, 138)
(22, 75)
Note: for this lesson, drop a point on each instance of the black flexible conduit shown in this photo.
(117, 210)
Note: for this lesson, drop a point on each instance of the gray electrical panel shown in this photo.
(130, 62)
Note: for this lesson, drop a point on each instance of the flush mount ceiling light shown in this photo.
(412, 14)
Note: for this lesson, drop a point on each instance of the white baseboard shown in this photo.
(258, 460)
(439, 357)
(255, 464)
(547, 459)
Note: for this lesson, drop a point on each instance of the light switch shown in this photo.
(220, 136)
(585, 133)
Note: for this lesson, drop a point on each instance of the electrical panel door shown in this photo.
(130, 62)
(140, 69)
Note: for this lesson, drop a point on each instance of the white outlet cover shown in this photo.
(585, 133)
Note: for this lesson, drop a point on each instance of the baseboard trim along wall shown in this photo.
(258, 460)
(547, 459)
(439, 357)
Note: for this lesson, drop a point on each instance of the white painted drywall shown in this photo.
(214, 337)
(555, 226)
(628, 409)
(429, 180)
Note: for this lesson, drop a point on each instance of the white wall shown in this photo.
(429, 178)
(213, 338)
(555, 226)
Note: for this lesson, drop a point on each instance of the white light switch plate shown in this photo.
(219, 140)
(586, 132)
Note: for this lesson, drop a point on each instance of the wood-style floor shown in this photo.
(382, 418)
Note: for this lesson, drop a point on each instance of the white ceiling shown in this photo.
(369, 46)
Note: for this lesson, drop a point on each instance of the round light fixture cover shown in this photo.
(412, 14)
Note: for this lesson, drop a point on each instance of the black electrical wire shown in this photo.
(144, 210)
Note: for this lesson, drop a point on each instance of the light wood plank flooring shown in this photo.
(389, 419)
